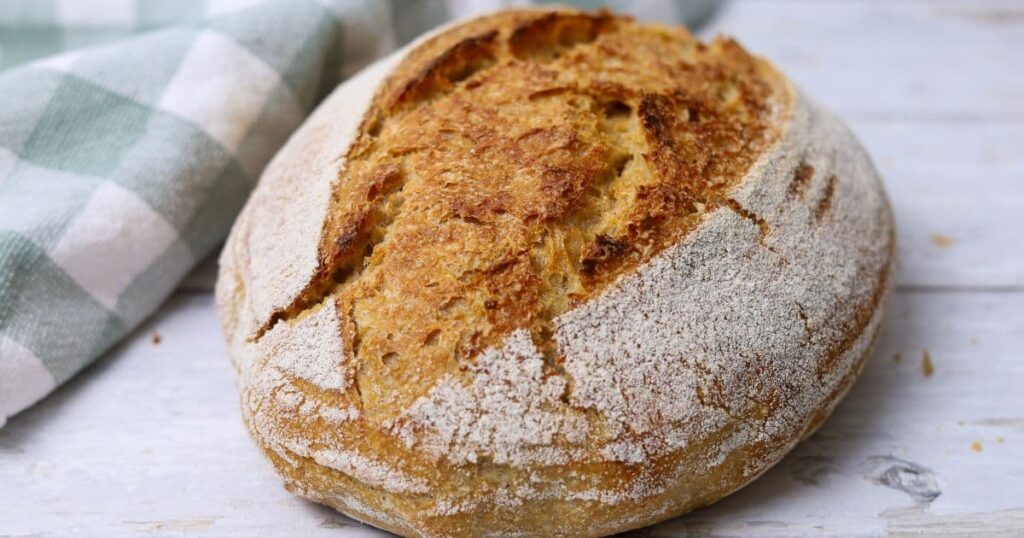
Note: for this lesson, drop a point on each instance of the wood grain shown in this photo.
(930, 61)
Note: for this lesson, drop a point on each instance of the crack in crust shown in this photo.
(801, 180)
(453, 66)
(762, 225)
(362, 231)
(546, 38)
(825, 202)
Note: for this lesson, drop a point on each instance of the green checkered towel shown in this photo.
(122, 165)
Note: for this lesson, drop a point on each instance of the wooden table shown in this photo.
(930, 440)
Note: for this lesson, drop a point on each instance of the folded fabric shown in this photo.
(123, 165)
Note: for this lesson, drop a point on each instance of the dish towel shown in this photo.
(123, 164)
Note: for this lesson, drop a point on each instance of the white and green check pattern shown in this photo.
(123, 164)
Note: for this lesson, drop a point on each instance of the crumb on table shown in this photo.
(942, 241)
(927, 368)
(156, 338)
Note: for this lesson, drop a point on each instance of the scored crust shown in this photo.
(552, 273)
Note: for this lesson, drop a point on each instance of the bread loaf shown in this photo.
(552, 273)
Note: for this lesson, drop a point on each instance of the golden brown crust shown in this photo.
(542, 154)
(510, 173)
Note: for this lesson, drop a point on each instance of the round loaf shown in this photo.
(552, 273)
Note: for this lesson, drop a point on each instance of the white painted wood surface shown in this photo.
(148, 441)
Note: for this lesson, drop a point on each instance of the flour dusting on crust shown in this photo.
(369, 471)
(311, 350)
(509, 412)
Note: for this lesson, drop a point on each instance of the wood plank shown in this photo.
(150, 440)
(871, 59)
(957, 192)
